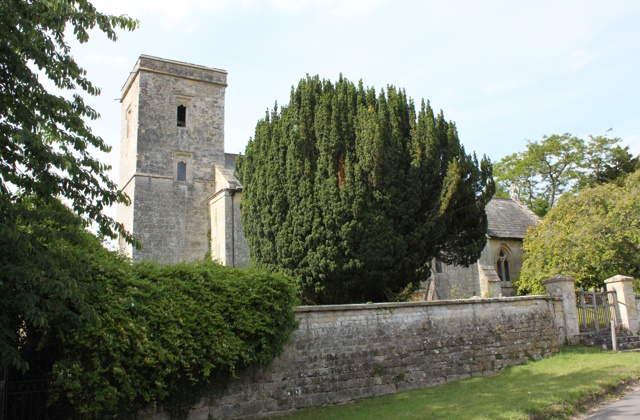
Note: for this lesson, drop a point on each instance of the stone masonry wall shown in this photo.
(173, 219)
(490, 257)
(128, 156)
(170, 215)
(348, 352)
(457, 281)
(158, 134)
(240, 247)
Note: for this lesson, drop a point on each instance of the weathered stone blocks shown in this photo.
(348, 352)
(170, 215)
(626, 311)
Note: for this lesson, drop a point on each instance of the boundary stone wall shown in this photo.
(347, 352)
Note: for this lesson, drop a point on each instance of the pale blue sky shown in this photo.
(504, 71)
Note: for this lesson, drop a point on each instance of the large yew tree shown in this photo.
(353, 192)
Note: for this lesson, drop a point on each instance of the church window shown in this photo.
(182, 171)
(503, 266)
(182, 116)
(438, 266)
(182, 162)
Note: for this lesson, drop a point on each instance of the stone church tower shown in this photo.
(173, 165)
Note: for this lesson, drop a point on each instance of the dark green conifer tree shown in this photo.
(354, 194)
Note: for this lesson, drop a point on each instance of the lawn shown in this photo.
(556, 387)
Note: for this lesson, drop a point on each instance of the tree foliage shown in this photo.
(45, 144)
(558, 164)
(170, 335)
(48, 284)
(46, 154)
(353, 192)
(605, 161)
(591, 236)
(158, 335)
(541, 173)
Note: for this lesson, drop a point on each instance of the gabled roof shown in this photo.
(509, 218)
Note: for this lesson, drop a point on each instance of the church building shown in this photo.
(499, 263)
(185, 200)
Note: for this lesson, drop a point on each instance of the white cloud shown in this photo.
(174, 14)
(291, 6)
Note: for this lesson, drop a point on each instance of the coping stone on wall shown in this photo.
(391, 305)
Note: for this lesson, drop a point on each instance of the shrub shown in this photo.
(590, 236)
(171, 334)
(45, 285)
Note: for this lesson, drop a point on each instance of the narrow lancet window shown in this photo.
(503, 266)
(182, 171)
(182, 116)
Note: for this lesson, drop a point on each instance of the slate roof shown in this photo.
(228, 178)
(230, 161)
(509, 218)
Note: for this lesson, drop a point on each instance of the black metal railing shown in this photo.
(26, 394)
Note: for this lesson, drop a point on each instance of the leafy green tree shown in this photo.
(46, 154)
(606, 161)
(353, 193)
(591, 236)
(160, 334)
(47, 286)
(541, 173)
(558, 164)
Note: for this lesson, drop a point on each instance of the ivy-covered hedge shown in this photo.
(170, 334)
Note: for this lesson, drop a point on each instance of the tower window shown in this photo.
(182, 116)
(503, 266)
(182, 171)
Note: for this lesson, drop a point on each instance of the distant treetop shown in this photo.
(539, 175)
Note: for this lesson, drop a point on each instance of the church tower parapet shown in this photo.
(172, 136)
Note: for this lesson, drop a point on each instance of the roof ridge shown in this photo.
(529, 212)
(509, 218)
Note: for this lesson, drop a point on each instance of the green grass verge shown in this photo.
(555, 387)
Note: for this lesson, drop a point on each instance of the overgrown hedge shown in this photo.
(170, 334)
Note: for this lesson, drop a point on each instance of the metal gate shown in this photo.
(596, 310)
(26, 394)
